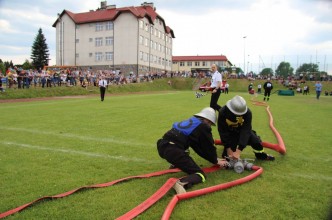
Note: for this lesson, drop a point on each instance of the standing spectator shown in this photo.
(259, 88)
(196, 133)
(318, 87)
(250, 88)
(1, 89)
(305, 90)
(226, 88)
(267, 89)
(216, 80)
(102, 85)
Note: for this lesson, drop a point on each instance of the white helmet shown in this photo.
(209, 114)
(237, 105)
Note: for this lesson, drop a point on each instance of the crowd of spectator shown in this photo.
(21, 79)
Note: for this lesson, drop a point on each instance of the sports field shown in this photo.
(54, 146)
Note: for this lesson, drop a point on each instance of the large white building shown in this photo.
(128, 39)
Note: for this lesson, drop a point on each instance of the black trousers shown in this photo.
(102, 93)
(214, 100)
(254, 141)
(177, 156)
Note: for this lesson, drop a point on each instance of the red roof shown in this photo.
(112, 13)
(200, 58)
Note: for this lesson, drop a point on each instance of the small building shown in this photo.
(199, 63)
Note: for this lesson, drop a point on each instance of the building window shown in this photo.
(146, 26)
(109, 55)
(189, 63)
(141, 39)
(98, 56)
(109, 25)
(203, 63)
(99, 42)
(99, 26)
(146, 42)
(197, 63)
(151, 30)
(90, 54)
(141, 55)
(90, 39)
(141, 24)
(145, 56)
(151, 44)
(108, 41)
(181, 63)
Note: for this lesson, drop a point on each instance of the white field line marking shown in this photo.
(89, 154)
(311, 176)
(84, 138)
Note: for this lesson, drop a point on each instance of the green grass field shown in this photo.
(51, 147)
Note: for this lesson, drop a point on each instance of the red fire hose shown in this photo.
(280, 147)
(188, 195)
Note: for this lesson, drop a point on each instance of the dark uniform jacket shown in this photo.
(234, 130)
(195, 134)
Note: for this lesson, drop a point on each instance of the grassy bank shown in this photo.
(236, 85)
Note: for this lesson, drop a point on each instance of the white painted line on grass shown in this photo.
(84, 138)
(68, 151)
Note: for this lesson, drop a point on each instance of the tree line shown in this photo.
(39, 55)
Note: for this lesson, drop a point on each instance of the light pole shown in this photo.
(244, 54)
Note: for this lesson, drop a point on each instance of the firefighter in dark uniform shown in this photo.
(196, 133)
(235, 130)
(267, 89)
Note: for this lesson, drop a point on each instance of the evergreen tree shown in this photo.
(39, 51)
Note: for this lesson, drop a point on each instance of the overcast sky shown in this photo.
(295, 31)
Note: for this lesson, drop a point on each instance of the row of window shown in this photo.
(154, 45)
(198, 63)
(154, 31)
(100, 26)
(99, 56)
(154, 59)
(99, 41)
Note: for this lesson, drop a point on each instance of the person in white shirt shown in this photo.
(215, 87)
(102, 86)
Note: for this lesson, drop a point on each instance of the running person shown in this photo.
(267, 89)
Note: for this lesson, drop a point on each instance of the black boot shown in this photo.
(264, 156)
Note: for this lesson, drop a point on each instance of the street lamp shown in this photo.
(244, 53)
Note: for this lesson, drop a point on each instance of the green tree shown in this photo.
(284, 69)
(27, 65)
(2, 68)
(308, 69)
(39, 51)
(268, 72)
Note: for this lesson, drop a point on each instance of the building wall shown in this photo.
(188, 66)
(125, 39)
(65, 37)
(138, 46)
